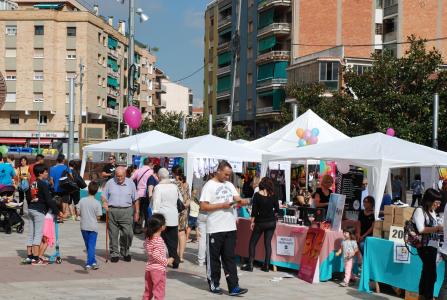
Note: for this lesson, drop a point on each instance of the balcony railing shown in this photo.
(223, 22)
(111, 111)
(276, 28)
(113, 53)
(113, 73)
(274, 55)
(223, 94)
(223, 70)
(112, 92)
(223, 46)
(271, 82)
(267, 3)
(222, 116)
(390, 10)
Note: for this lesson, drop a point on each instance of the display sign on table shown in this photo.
(311, 252)
(335, 210)
(351, 185)
(397, 234)
(285, 245)
(401, 254)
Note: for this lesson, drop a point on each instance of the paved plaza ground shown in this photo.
(124, 281)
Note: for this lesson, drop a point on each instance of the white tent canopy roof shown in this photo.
(132, 144)
(206, 146)
(285, 139)
(369, 150)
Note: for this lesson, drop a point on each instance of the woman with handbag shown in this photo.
(424, 217)
(23, 184)
(168, 201)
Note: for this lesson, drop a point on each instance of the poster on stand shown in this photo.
(311, 253)
(335, 210)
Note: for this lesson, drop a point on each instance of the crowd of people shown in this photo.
(151, 200)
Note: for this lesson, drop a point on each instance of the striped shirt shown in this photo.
(156, 254)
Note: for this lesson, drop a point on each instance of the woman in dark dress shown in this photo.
(366, 219)
(323, 193)
(263, 221)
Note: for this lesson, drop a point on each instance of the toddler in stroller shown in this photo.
(8, 210)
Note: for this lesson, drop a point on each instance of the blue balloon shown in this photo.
(301, 143)
(315, 132)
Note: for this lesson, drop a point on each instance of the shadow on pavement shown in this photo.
(190, 279)
(135, 256)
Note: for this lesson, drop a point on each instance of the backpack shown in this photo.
(67, 183)
(412, 237)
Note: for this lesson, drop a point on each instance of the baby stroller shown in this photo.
(9, 217)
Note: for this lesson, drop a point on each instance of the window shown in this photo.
(379, 28)
(250, 53)
(10, 52)
(11, 75)
(14, 119)
(99, 80)
(249, 78)
(379, 4)
(71, 31)
(98, 101)
(251, 3)
(38, 97)
(329, 71)
(11, 30)
(38, 75)
(360, 69)
(38, 30)
(70, 75)
(10, 97)
(389, 26)
(99, 37)
(71, 53)
(104, 41)
(249, 104)
(67, 98)
(250, 26)
(150, 69)
(99, 59)
(43, 120)
(38, 52)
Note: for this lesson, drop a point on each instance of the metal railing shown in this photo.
(272, 81)
(224, 22)
(113, 73)
(276, 27)
(223, 70)
(111, 111)
(113, 92)
(266, 3)
(223, 94)
(272, 55)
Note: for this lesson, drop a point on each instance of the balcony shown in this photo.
(265, 4)
(223, 94)
(276, 28)
(391, 10)
(113, 53)
(111, 111)
(160, 104)
(223, 70)
(224, 22)
(223, 46)
(112, 92)
(270, 83)
(266, 110)
(159, 88)
(222, 116)
(113, 73)
(273, 55)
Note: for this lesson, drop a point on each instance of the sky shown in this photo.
(175, 27)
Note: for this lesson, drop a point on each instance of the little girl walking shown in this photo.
(156, 259)
(350, 250)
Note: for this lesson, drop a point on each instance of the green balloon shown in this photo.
(4, 149)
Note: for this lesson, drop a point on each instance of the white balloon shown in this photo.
(343, 167)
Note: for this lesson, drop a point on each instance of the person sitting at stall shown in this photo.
(366, 219)
(386, 200)
(323, 193)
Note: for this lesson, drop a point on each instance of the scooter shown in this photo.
(56, 257)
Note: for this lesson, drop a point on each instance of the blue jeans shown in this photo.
(90, 245)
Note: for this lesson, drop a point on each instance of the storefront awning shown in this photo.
(35, 142)
(12, 141)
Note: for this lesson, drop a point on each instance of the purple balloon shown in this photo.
(390, 132)
(132, 117)
(307, 134)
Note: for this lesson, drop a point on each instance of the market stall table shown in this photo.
(328, 262)
(379, 266)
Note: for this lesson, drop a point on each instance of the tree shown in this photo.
(394, 92)
(167, 122)
(197, 127)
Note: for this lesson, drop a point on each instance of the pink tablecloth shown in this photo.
(332, 241)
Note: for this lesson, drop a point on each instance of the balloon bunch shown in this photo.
(132, 117)
(307, 136)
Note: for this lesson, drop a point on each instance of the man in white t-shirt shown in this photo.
(218, 198)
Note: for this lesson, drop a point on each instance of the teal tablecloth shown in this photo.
(378, 266)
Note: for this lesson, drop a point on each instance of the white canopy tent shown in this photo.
(206, 146)
(129, 145)
(286, 139)
(377, 151)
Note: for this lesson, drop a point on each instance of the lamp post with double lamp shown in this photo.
(131, 48)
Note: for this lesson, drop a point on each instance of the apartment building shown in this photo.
(42, 47)
(326, 35)
(264, 54)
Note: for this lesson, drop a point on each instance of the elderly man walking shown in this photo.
(119, 198)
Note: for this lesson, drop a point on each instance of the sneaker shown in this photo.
(39, 262)
(115, 259)
(343, 284)
(87, 267)
(95, 267)
(238, 291)
(27, 261)
(127, 258)
(78, 218)
(216, 290)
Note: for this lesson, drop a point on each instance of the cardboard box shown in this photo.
(386, 234)
(411, 295)
(400, 220)
(388, 219)
(405, 212)
(378, 224)
(389, 210)
(377, 233)
(386, 226)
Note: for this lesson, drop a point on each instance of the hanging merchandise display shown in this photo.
(204, 166)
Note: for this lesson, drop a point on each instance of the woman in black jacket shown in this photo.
(38, 206)
(75, 196)
(263, 221)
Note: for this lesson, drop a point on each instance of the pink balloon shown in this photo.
(307, 134)
(390, 132)
(313, 140)
(132, 117)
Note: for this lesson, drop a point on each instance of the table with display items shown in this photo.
(379, 266)
(328, 262)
